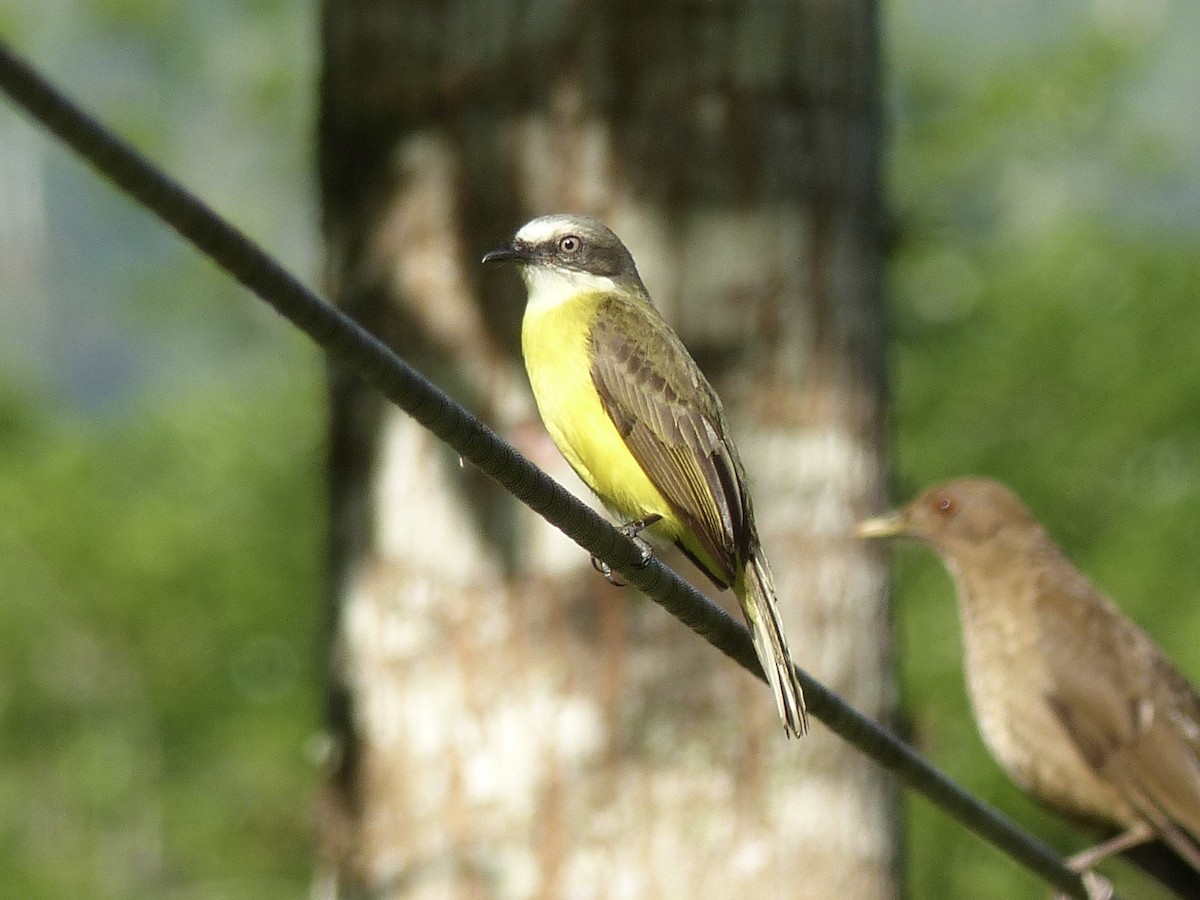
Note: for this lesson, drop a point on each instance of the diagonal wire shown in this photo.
(358, 349)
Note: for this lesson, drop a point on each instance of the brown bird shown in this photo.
(1076, 703)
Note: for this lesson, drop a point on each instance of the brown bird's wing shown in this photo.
(1159, 769)
(672, 423)
(1132, 716)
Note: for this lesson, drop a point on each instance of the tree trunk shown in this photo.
(503, 722)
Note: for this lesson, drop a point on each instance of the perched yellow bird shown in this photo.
(634, 416)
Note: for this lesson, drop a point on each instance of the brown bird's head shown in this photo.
(962, 520)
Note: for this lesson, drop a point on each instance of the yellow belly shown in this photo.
(557, 357)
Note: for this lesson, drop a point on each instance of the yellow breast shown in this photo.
(554, 340)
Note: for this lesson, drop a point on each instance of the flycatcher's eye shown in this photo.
(945, 505)
(569, 245)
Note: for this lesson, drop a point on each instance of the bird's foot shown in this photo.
(606, 570)
(1097, 886)
(633, 531)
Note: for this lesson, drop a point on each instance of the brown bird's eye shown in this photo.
(945, 505)
(569, 245)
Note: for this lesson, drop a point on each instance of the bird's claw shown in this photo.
(1097, 886)
(633, 531)
(606, 570)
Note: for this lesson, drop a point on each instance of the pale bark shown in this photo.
(504, 723)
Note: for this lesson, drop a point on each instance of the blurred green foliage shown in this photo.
(161, 509)
(161, 580)
(161, 537)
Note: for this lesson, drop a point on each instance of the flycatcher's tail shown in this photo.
(757, 596)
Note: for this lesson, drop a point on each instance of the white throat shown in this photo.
(550, 286)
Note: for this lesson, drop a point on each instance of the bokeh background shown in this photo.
(161, 507)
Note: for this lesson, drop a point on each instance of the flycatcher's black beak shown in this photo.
(507, 253)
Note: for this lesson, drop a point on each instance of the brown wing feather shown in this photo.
(1158, 767)
(1135, 720)
(673, 425)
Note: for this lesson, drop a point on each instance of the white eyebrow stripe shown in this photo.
(543, 229)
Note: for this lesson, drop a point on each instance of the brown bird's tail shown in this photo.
(756, 591)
